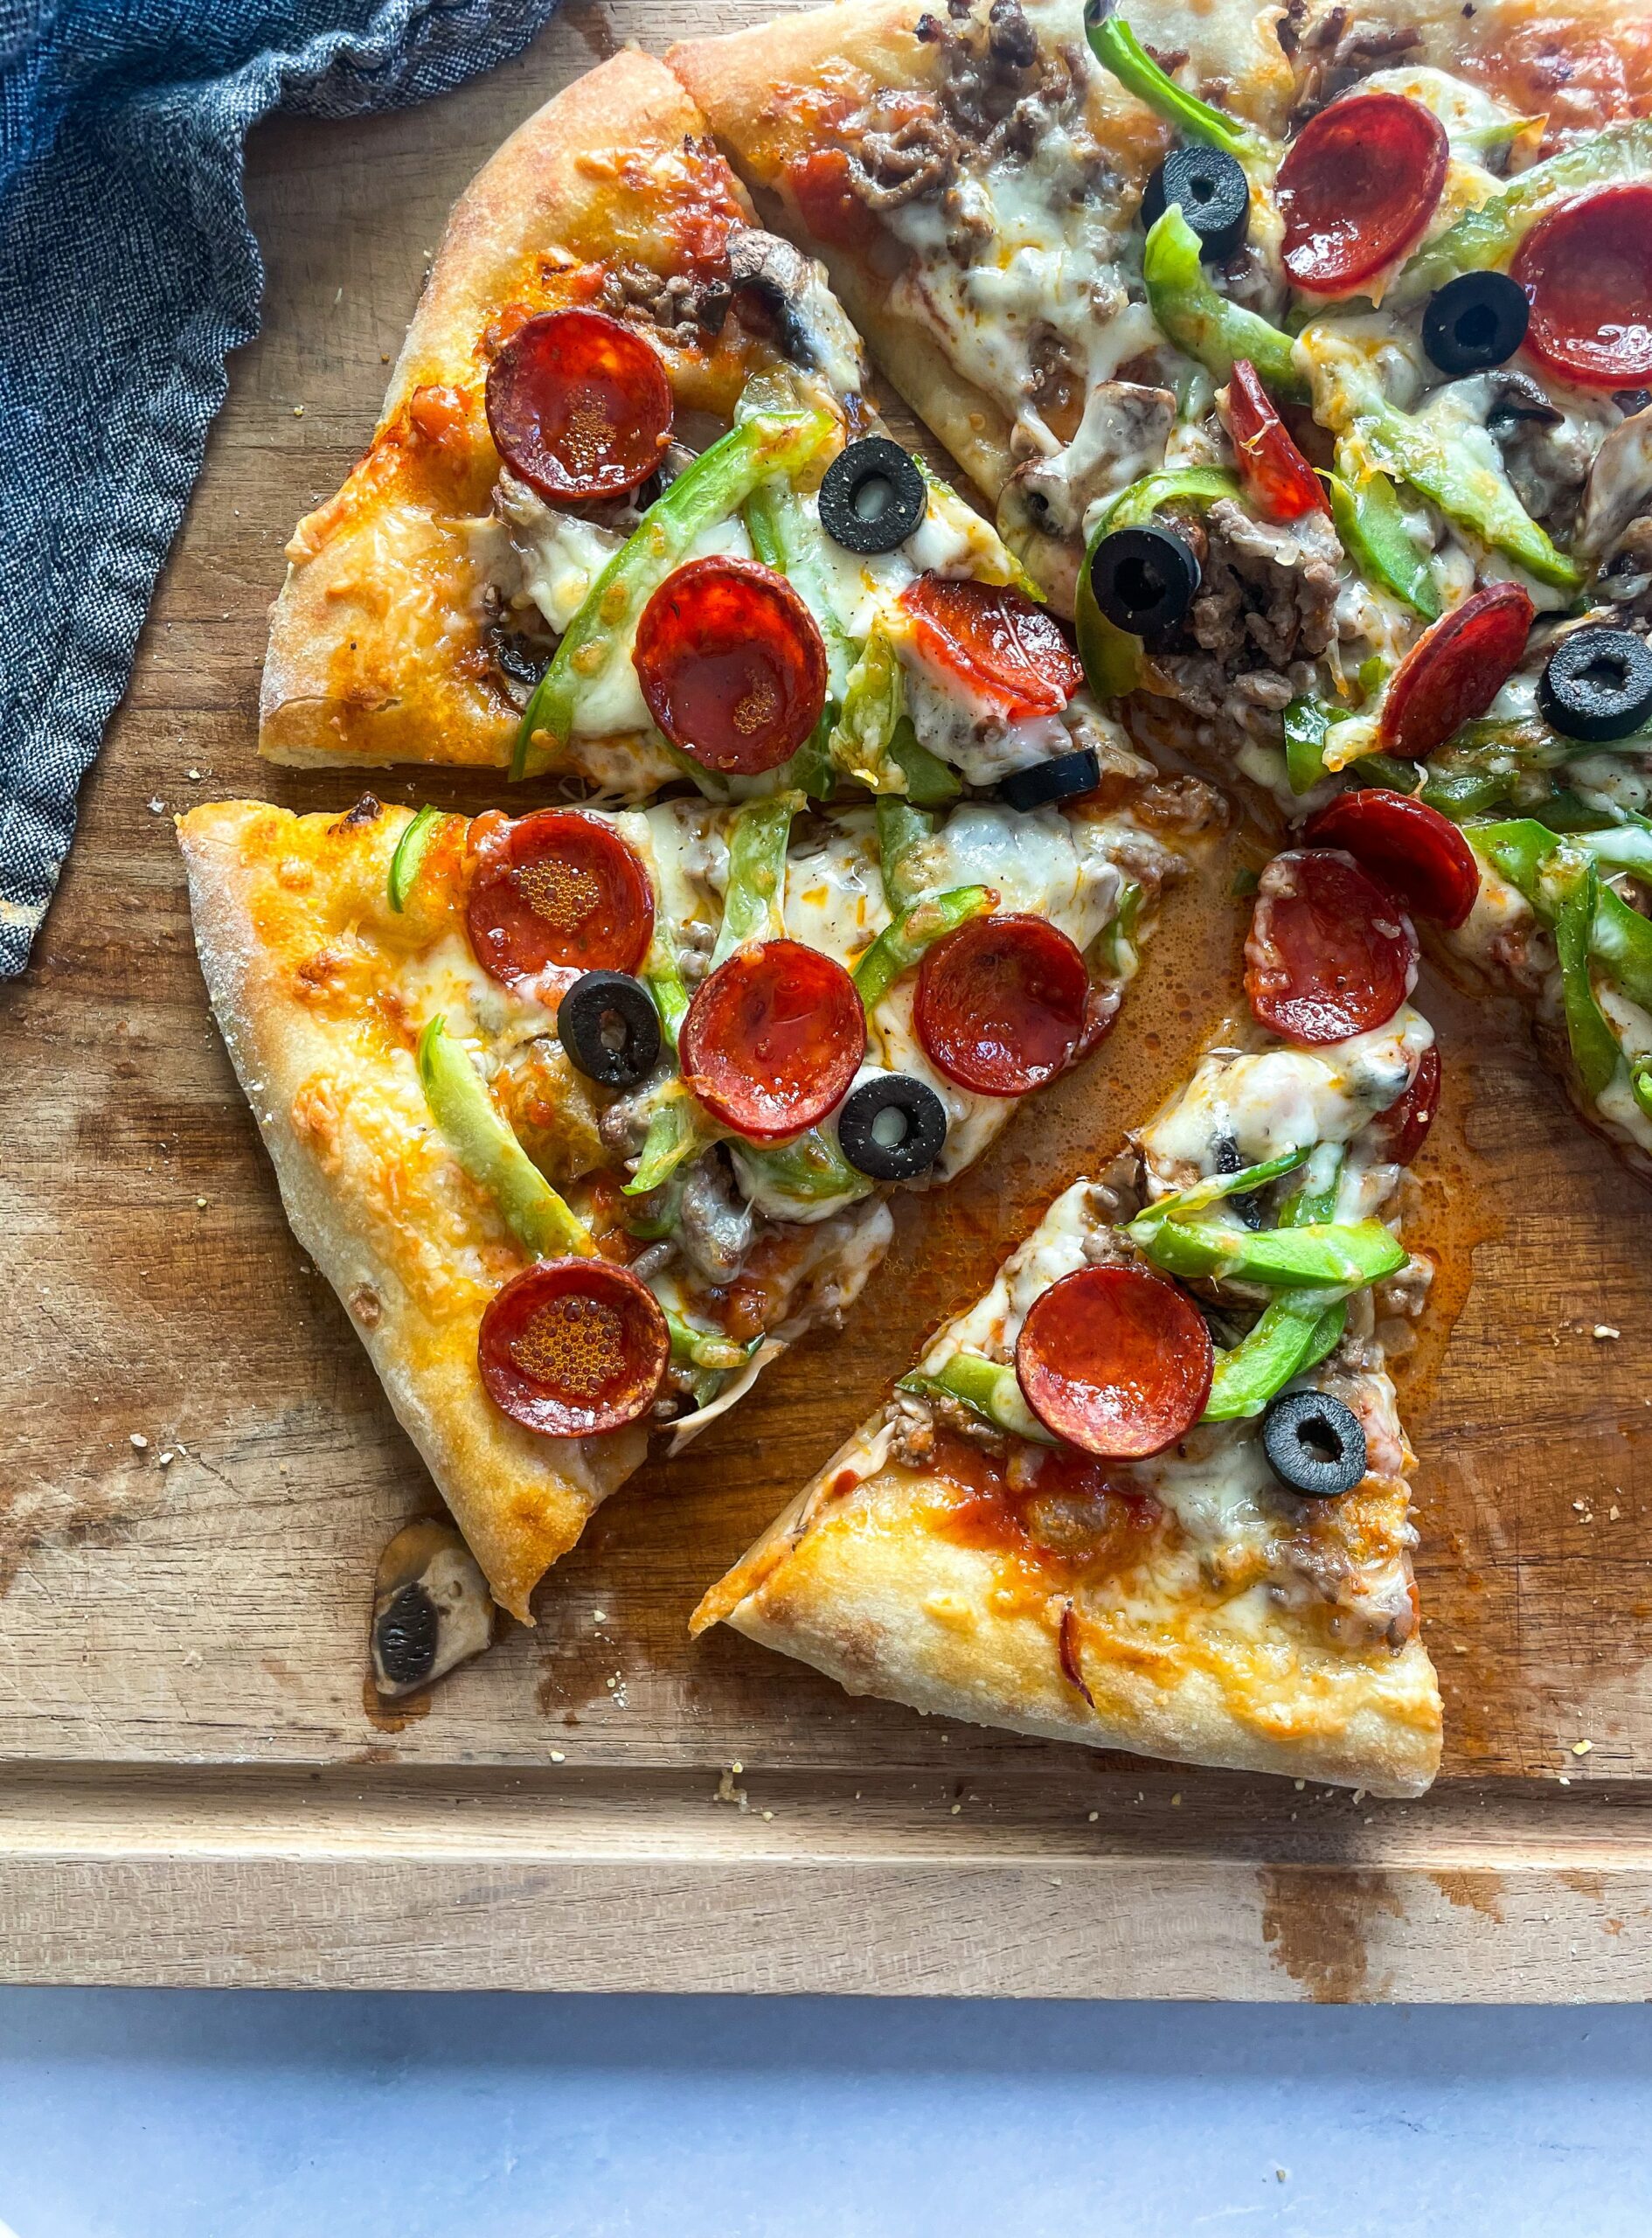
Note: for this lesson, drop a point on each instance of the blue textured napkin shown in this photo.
(127, 270)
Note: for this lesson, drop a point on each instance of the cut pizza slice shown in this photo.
(1149, 1492)
(585, 1116)
(627, 516)
(1309, 362)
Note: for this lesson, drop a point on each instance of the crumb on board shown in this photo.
(140, 1444)
(1603, 1332)
(727, 1792)
(559, 1755)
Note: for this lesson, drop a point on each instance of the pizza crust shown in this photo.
(853, 1582)
(373, 1228)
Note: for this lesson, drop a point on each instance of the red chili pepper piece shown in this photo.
(1115, 1360)
(1277, 476)
(574, 1347)
(773, 1038)
(579, 405)
(731, 664)
(827, 203)
(1587, 270)
(1410, 847)
(1403, 1129)
(1330, 952)
(558, 888)
(1002, 1003)
(1455, 669)
(1358, 186)
(1002, 648)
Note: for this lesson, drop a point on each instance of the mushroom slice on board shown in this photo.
(432, 1609)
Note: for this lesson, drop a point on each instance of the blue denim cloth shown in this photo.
(127, 270)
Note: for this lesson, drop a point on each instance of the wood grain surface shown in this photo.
(199, 1786)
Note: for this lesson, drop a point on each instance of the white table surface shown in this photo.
(157, 2114)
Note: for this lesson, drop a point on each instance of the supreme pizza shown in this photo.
(1149, 1492)
(1304, 360)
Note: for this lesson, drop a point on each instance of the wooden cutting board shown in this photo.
(199, 1787)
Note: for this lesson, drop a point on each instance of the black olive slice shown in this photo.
(1062, 779)
(405, 1637)
(607, 1023)
(1476, 321)
(1145, 579)
(1596, 684)
(892, 1127)
(1313, 1444)
(1210, 188)
(872, 495)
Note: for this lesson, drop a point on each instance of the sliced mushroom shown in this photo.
(432, 1609)
(1120, 438)
(1619, 488)
(811, 329)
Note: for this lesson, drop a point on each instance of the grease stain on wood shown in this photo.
(1472, 1888)
(1316, 1920)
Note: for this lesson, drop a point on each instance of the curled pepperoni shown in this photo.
(1358, 186)
(1403, 1129)
(1116, 1360)
(1003, 649)
(1002, 1003)
(731, 664)
(823, 187)
(1278, 478)
(579, 405)
(1410, 847)
(558, 888)
(1586, 269)
(1455, 669)
(574, 1347)
(773, 1038)
(1330, 952)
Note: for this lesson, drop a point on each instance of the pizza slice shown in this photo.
(1309, 361)
(1149, 1492)
(627, 516)
(587, 1115)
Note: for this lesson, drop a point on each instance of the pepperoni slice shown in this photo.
(773, 1038)
(1115, 1360)
(1002, 647)
(1455, 669)
(1587, 271)
(731, 664)
(1002, 1003)
(1330, 952)
(574, 1347)
(823, 187)
(1358, 186)
(1275, 472)
(1410, 847)
(558, 888)
(1403, 1129)
(579, 405)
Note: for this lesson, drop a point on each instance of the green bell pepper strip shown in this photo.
(1366, 511)
(1594, 1046)
(754, 898)
(704, 1348)
(1112, 657)
(1348, 399)
(489, 1152)
(1517, 850)
(1620, 943)
(411, 849)
(1116, 47)
(1118, 934)
(812, 1169)
(784, 539)
(1296, 1332)
(1333, 1255)
(987, 1387)
(1207, 325)
(903, 834)
(1307, 725)
(1183, 1203)
(1382, 769)
(677, 1130)
(1490, 236)
(905, 942)
(665, 981)
(927, 779)
(1641, 1083)
(716, 485)
(1315, 1202)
